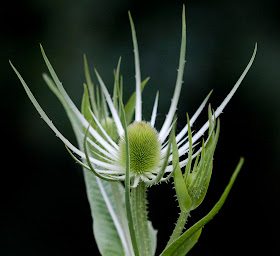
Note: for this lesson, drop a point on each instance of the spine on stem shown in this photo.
(140, 218)
(179, 227)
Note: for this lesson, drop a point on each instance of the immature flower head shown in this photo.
(103, 122)
(144, 147)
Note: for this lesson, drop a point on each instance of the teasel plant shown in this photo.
(122, 155)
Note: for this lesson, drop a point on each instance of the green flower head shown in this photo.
(104, 122)
(144, 148)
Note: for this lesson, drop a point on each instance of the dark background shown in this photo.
(44, 209)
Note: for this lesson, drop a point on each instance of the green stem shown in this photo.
(140, 218)
(179, 227)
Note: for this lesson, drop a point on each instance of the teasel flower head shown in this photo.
(109, 131)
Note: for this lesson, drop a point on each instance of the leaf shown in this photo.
(99, 192)
(152, 238)
(104, 206)
(101, 200)
(104, 214)
(105, 233)
(192, 241)
(189, 244)
(180, 246)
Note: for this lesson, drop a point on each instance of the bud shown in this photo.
(144, 148)
(197, 181)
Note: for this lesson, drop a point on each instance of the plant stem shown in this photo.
(140, 218)
(179, 227)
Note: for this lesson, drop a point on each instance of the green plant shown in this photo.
(122, 157)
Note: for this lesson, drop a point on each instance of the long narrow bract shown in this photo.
(138, 104)
(174, 102)
(154, 113)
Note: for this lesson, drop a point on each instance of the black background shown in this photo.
(44, 209)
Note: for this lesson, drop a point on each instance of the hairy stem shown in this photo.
(179, 227)
(140, 218)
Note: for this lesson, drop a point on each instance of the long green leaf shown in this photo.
(113, 206)
(106, 235)
(99, 192)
